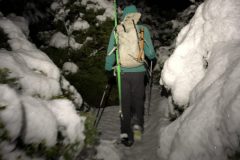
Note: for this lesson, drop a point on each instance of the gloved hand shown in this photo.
(110, 77)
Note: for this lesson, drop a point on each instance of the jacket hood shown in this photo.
(129, 9)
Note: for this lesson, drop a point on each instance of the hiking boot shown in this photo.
(137, 133)
(125, 140)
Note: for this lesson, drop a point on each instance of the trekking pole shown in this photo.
(117, 58)
(101, 102)
(104, 101)
(150, 88)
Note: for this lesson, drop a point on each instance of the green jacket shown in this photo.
(148, 47)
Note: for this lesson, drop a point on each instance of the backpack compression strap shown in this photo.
(140, 57)
(140, 37)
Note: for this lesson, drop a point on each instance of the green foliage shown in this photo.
(68, 151)
(90, 131)
(102, 32)
(91, 76)
(80, 36)
(71, 151)
(6, 79)
(74, 12)
(60, 27)
(3, 40)
(57, 55)
(90, 16)
(92, 138)
(32, 149)
(91, 79)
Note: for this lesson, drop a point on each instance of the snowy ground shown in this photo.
(109, 126)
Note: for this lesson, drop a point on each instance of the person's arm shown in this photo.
(110, 59)
(148, 46)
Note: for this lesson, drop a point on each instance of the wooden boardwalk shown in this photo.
(109, 127)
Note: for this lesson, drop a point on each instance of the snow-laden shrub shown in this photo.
(204, 72)
(36, 120)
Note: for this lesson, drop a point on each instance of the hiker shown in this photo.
(134, 43)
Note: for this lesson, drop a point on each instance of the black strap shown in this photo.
(124, 28)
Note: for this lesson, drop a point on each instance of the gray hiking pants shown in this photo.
(133, 96)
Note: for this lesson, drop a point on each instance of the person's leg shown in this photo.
(138, 97)
(126, 107)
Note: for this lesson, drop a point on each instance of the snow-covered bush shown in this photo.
(204, 72)
(42, 83)
(36, 121)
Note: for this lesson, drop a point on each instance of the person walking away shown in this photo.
(134, 44)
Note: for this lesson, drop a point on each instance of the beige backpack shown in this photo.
(130, 41)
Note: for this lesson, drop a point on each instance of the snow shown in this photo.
(70, 123)
(30, 109)
(55, 6)
(194, 47)
(103, 4)
(184, 69)
(95, 5)
(61, 13)
(107, 151)
(109, 127)
(21, 22)
(32, 82)
(59, 40)
(70, 67)
(80, 24)
(12, 115)
(40, 129)
(28, 51)
(71, 91)
(203, 73)
(29, 64)
(10, 152)
(65, 1)
(17, 38)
